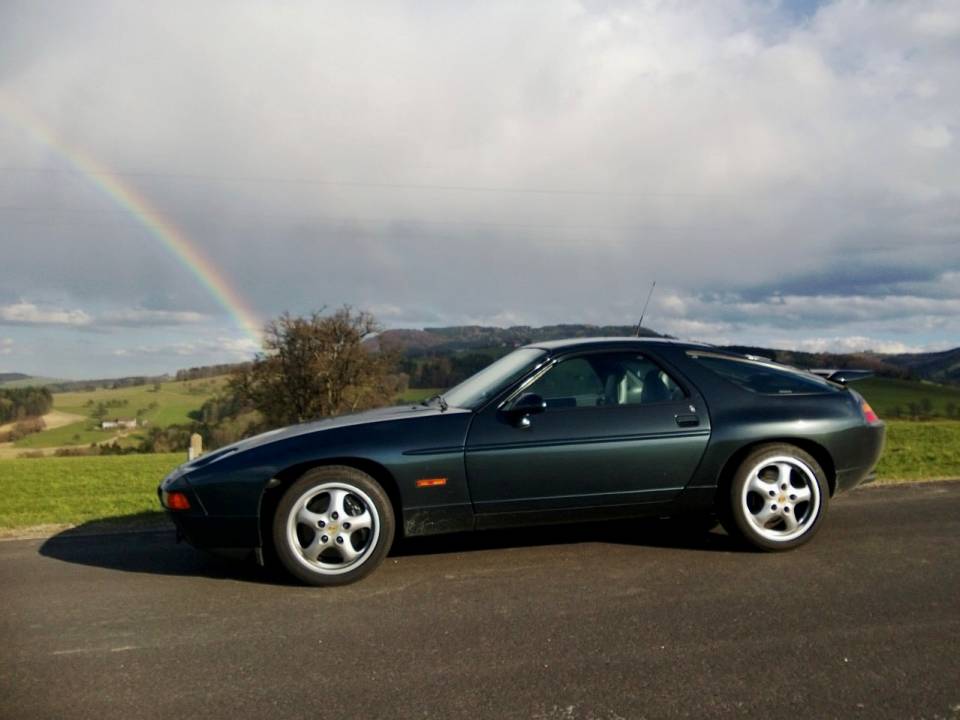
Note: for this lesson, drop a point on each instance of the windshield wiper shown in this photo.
(439, 399)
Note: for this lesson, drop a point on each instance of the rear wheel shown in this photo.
(778, 498)
(333, 526)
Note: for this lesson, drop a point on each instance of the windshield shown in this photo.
(476, 390)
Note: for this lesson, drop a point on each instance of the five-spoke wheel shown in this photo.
(778, 497)
(333, 526)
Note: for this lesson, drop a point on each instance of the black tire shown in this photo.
(330, 532)
(786, 474)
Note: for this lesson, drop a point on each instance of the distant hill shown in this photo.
(880, 364)
(938, 366)
(478, 337)
(10, 381)
(12, 377)
(943, 367)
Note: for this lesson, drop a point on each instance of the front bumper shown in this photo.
(202, 530)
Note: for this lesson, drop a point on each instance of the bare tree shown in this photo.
(316, 366)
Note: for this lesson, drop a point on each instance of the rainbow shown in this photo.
(137, 206)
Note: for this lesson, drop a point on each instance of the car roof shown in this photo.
(582, 343)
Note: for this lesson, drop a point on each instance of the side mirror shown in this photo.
(529, 404)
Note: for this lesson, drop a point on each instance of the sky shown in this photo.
(174, 174)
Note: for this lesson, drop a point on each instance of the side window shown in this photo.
(571, 383)
(760, 378)
(606, 379)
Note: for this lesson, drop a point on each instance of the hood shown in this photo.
(399, 412)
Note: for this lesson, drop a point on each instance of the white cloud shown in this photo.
(6, 346)
(932, 137)
(862, 344)
(139, 317)
(940, 23)
(26, 313)
(220, 349)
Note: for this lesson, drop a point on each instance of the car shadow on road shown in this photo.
(664, 533)
(154, 550)
(149, 545)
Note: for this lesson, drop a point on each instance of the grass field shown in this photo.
(170, 405)
(76, 490)
(886, 395)
(921, 451)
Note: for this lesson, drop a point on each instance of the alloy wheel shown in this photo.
(333, 528)
(781, 498)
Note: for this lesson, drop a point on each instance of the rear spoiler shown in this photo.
(844, 376)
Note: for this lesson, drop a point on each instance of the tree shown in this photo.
(316, 366)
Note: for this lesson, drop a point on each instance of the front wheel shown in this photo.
(333, 526)
(778, 498)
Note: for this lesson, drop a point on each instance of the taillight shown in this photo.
(868, 414)
(175, 501)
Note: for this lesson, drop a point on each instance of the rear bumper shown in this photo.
(868, 447)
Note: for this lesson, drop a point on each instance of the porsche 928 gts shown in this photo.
(563, 431)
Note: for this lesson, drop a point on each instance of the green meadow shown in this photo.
(168, 404)
(71, 491)
(903, 398)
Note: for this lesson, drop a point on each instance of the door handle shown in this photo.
(687, 420)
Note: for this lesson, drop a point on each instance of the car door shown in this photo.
(613, 428)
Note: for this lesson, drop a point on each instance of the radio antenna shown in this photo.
(644, 311)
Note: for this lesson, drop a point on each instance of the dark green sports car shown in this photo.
(558, 431)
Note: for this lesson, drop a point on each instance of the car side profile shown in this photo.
(552, 432)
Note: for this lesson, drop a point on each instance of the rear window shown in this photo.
(763, 378)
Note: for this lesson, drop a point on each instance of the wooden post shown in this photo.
(196, 447)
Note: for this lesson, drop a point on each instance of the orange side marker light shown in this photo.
(431, 482)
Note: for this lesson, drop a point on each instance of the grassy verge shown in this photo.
(58, 491)
(921, 451)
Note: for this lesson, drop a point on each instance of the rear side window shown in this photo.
(762, 378)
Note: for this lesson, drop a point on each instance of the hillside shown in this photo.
(475, 337)
(940, 366)
(159, 404)
(893, 398)
(12, 377)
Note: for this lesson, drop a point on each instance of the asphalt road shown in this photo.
(621, 620)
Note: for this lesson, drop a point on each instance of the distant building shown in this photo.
(117, 423)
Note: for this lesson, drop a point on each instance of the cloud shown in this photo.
(498, 162)
(863, 344)
(26, 313)
(6, 346)
(148, 318)
(227, 348)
